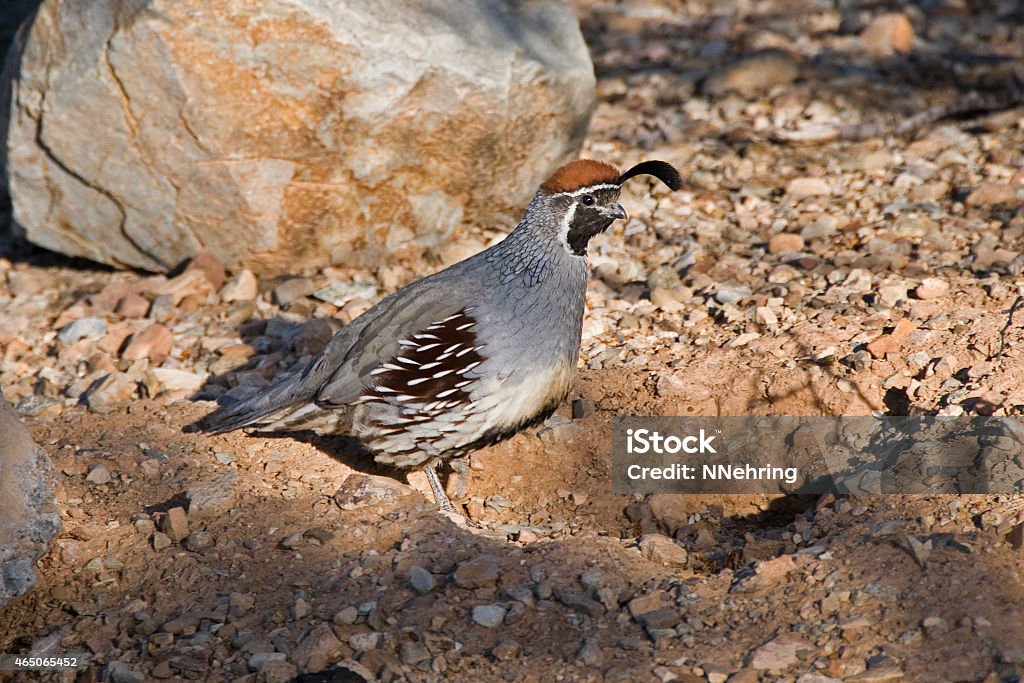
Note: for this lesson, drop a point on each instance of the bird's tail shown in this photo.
(260, 410)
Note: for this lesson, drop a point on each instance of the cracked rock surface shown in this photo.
(320, 133)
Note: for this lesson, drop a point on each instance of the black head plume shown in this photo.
(661, 170)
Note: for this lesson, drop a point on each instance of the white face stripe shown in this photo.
(563, 230)
(590, 188)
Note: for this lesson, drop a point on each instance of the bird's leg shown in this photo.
(443, 504)
(458, 480)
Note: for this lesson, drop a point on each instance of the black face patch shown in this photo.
(594, 213)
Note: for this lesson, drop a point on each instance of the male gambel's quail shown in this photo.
(468, 356)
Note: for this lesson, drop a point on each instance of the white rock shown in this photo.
(294, 133)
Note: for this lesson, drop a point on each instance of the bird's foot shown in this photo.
(444, 505)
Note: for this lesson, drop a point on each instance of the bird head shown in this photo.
(585, 195)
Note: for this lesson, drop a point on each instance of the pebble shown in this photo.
(932, 288)
(480, 571)
(412, 653)
(590, 653)
(212, 499)
(98, 474)
(992, 194)
(120, 673)
(155, 343)
(507, 650)
(175, 524)
(779, 653)
(362, 490)
(887, 34)
(83, 328)
(662, 549)
(489, 616)
(292, 290)
(212, 268)
(421, 580)
(260, 659)
(801, 188)
(347, 616)
(161, 541)
(243, 286)
(113, 389)
(785, 243)
(198, 541)
(592, 579)
(132, 306)
(935, 627)
(753, 74)
(362, 642)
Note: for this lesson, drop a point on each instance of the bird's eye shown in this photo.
(588, 200)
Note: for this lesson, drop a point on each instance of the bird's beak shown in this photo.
(619, 212)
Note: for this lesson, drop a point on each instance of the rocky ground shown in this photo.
(842, 277)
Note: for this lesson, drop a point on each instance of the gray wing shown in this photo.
(406, 312)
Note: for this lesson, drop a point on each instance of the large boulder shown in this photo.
(28, 511)
(285, 132)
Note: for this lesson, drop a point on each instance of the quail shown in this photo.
(466, 357)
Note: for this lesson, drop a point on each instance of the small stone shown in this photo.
(318, 649)
(489, 616)
(292, 290)
(145, 527)
(935, 627)
(421, 580)
(362, 490)
(191, 283)
(800, 188)
(242, 287)
(212, 499)
(662, 549)
(507, 650)
(890, 295)
(785, 243)
(98, 474)
(175, 524)
(83, 328)
(363, 642)
(918, 550)
(260, 659)
(882, 345)
(590, 654)
(132, 306)
(113, 389)
(207, 263)
(887, 34)
(161, 541)
(301, 609)
(347, 616)
(779, 653)
(162, 670)
(582, 407)
(932, 288)
(766, 573)
(240, 603)
(666, 617)
(992, 194)
(278, 671)
(155, 343)
(578, 602)
(120, 673)
(754, 74)
(592, 579)
(480, 571)
(412, 653)
(174, 379)
(198, 541)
